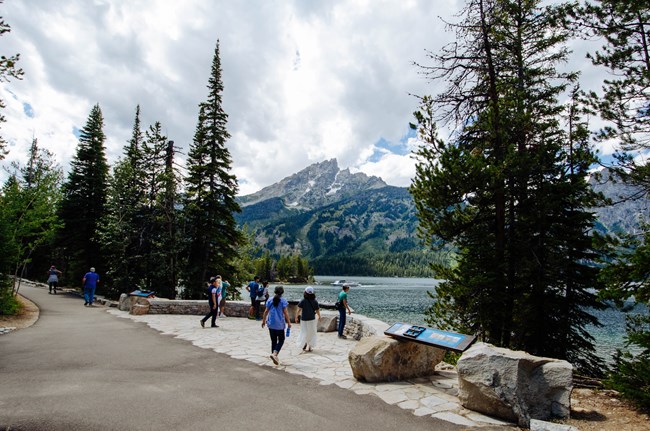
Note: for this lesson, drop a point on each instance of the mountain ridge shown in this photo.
(357, 223)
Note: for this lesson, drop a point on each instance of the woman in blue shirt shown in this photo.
(275, 317)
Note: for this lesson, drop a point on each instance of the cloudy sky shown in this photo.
(304, 80)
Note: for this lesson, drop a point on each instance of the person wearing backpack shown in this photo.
(308, 309)
(253, 287)
(214, 295)
(263, 292)
(342, 307)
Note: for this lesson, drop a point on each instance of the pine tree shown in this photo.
(624, 28)
(84, 199)
(121, 229)
(160, 242)
(500, 190)
(210, 227)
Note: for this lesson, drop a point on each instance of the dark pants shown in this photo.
(341, 320)
(212, 313)
(53, 285)
(277, 339)
(256, 307)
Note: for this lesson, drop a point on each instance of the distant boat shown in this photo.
(342, 282)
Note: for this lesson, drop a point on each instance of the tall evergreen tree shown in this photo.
(210, 228)
(503, 190)
(624, 28)
(124, 223)
(84, 199)
(160, 242)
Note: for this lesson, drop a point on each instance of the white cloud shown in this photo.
(303, 81)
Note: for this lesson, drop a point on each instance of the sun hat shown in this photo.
(309, 289)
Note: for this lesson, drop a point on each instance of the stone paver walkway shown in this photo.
(328, 363)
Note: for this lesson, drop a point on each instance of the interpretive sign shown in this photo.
(433, 337)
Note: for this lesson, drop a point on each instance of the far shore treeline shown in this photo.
(505, 194)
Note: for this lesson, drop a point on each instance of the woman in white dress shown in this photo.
(308, 309)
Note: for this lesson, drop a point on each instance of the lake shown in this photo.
(405, 300)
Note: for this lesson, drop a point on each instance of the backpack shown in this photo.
(260, 292)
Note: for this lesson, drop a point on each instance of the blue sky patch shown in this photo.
(28, 110)
(76, 132)
(382, 146)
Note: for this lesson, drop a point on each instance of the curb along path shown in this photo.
(239, 338)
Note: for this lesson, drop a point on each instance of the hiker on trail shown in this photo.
(308, 309)
(254, 310)
(343, 306)
(89, 283)
(53, 278)
(275, 317)
(224, 292)
(214, 293)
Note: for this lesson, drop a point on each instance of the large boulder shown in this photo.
(514, 385)
(384, 359)
(328, 322)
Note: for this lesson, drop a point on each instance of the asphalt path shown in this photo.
(80, 368)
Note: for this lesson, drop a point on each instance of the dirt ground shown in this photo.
(604, 410)
(27, 317)
(591, 409)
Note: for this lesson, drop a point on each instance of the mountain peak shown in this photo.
(316, 185)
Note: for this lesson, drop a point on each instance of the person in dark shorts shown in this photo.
(53, 278)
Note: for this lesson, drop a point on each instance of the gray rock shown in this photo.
(328, 322)
(383, 359)
(124, 303)
(514, 385)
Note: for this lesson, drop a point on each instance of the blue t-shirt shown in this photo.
(253, 286)
(91, 279)
(224, 288)
(275, 318)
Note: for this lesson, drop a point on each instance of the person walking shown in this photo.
(275, 317)
(224, 292)
(254, 310)
(214, 293)
(263, 292)
(308, 309)
(89, 284)
(53, 278)
(343, 306)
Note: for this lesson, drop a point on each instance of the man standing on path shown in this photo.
(89, 283)
(343, 306)
(254, 310)
(214, 292)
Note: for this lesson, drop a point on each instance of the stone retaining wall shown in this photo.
(357, 326)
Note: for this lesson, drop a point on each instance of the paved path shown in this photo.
(82, 368)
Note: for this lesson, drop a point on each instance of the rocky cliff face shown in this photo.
(629, 207)
(315, 186)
